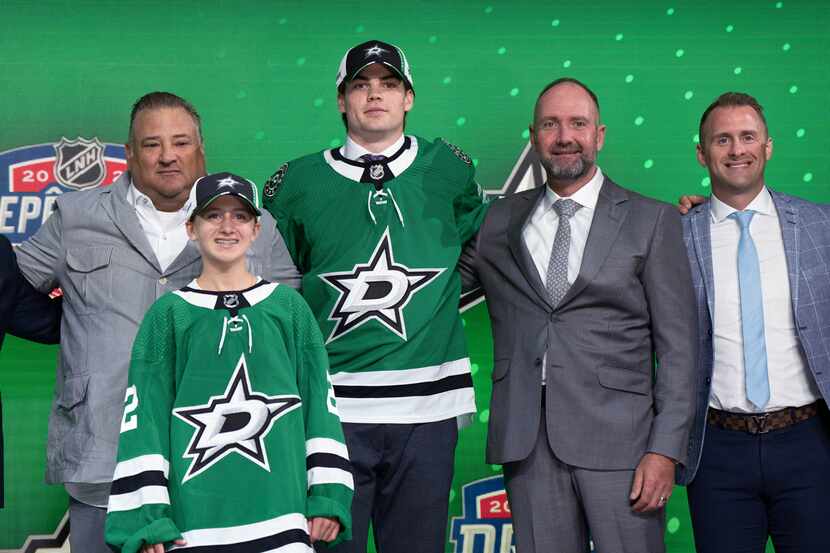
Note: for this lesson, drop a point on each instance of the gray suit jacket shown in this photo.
(632, 300)
(805, 230)
(94, 248)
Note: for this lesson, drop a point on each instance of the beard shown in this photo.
(567, 170)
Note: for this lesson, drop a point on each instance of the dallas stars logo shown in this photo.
(378, 290)
(375, 50)
(237, 421)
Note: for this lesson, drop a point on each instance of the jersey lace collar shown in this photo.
(232, 300)
(355, 170)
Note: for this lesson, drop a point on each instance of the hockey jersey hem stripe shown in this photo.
(407, 410)
(143, 479)
(406, 390)
(148, 495)
(402, 376)
(327, 475)
(260, 536)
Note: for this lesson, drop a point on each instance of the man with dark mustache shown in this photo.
(586, 283)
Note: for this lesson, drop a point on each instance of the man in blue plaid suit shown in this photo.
(760, 263)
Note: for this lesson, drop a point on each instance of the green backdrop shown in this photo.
(262, 75)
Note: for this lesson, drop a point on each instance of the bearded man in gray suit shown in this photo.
(114, 251)
(586, 283)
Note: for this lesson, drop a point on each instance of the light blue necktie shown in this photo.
(752, 314)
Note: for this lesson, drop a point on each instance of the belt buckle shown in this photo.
(757, 424)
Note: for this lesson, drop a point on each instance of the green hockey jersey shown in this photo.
(230, 436)
(378, 243)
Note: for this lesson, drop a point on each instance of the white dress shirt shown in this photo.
(352, 150)
(164, 230)
(540, 230)
(790, 383)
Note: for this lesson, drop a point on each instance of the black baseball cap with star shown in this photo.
(208, 188)
(363, 55)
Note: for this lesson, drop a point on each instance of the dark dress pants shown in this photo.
(402, 474)
(751, 486)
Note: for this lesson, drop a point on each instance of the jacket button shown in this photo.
(538, 362)
(708, 380)
(709, 332)
(163, 280)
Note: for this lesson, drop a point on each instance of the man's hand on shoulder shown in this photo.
(687, 202)
(653, 483)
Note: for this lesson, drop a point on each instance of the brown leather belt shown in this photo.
(761, 423)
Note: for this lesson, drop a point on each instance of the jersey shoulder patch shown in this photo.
(274, 181)
(459, 153)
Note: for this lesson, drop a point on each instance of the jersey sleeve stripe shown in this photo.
(149, 495)
(326, 445)
(327, 460)
(132, 483)
(142, 463)
(326, 475)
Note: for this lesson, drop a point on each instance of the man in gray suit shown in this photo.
(114, 251)
(586, 283)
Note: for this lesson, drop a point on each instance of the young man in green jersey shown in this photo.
(376, 227)
(230, 438)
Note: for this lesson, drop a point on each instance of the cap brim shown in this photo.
(394, 69)
(254, 209)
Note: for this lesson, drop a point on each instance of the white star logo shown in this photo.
(237, 421)
(378, 290)
(228, 181)
(374, 51)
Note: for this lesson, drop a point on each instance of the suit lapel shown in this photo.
(701, 231)
(522, 208)
(610, 212)
(788, 220)
(125, 219)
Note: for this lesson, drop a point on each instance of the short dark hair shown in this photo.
(563, 80)
(158, 100)
(728, 100)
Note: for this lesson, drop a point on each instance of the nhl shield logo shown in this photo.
(376, 171)
(79, 163)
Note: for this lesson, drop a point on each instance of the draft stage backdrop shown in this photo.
(262, 75)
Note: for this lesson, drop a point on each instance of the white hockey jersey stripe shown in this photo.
(148, 495)
(401, 376)
(248, 532)
(143, 463)
(326, 445)
(409, 409)
(260, 293)
(330, 475)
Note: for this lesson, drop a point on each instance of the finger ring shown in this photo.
(662, 499)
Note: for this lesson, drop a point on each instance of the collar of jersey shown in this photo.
(353, 170)
(194, 295)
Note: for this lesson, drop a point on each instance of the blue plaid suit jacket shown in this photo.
(805, 227)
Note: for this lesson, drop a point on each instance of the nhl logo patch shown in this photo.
(459, 153)
(376, 171)
(79, 163)
(230, 300)
(274, 181)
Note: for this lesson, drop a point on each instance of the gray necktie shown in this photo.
(556, 280)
